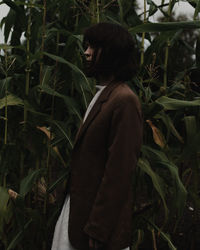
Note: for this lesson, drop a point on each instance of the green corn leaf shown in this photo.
(174, 104)
(9, 22)
(29, 5)
(4, 197)
(198, 53)
(84, 96)
(71, 105)
(42, 116)
(28, 182)
(120, 10)
(197, 9)
(47, 75)
(63, 177)
(159, 159)
(175, 37)
(18, 237)
(13, 5)
(159, 43)
(193, 3)
(83, 13)
(71, 65)
(169, 125)
(191, 151)
(165, 26)
(156, 180)
(20, 15)
(12, 100)
(191, 127)
(187, 46)
(63, 131)
(152, 8)
(165, 236)
(158, 7)
(4, 84)
(5, 46)
(179, 193)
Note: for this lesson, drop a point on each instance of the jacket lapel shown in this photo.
(95, 110)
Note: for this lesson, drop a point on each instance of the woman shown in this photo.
(97, 213)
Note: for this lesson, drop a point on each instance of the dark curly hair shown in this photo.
(117, 51)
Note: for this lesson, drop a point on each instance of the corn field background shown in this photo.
(43, 96)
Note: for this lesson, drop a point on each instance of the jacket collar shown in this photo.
(95, 109)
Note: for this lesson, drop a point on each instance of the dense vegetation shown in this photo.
(44, 93)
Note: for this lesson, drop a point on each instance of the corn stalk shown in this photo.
(97, 11)
(167, 48)
(5, 70)
(142, 45)
(7, 67)
(27, 85)
(41, 80)
(6, 100)
(43, 39)
(28, 64)
(154, 239)
(143, 35)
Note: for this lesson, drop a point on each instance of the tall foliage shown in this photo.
(44, 93)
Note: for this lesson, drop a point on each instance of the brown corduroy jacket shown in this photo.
(104, 157)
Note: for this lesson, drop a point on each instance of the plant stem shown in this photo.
(6, 98)
(6, 114)
(27, 63)
(43, 39)
(21, 164)
(98, 13)
(142, 46)
(154, 239)
(28, 54)
(47, 178)
(4, 180)
(167, 48)
(143, 35)
(166, 64)
(196, 12)
(138, 239)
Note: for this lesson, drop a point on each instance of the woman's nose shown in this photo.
(88, 53)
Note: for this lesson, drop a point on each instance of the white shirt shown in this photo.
(100, 89)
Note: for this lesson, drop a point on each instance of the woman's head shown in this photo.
(112, 51)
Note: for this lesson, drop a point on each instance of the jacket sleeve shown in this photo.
(123, 150)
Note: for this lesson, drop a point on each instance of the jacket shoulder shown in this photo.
(124, 94)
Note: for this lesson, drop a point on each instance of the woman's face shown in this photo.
(91, 58)
(89, 53)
